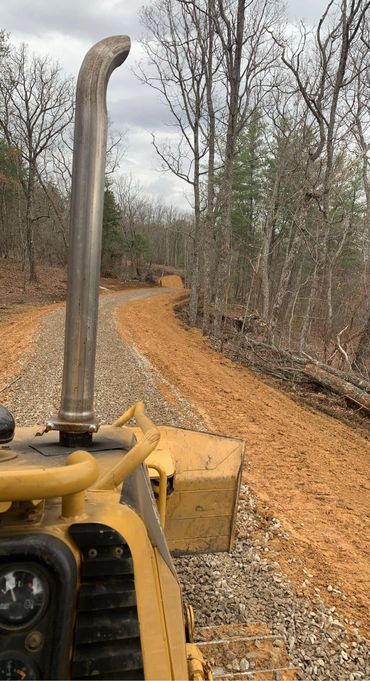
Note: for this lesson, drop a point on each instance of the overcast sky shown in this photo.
(66, 29)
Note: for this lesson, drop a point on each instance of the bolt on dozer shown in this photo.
(89, 514)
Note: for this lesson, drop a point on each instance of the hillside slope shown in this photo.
(310, 471)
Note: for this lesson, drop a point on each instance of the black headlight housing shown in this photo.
(44, 643)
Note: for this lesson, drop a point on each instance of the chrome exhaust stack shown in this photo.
(76, 420)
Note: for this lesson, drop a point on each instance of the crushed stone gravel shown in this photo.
(244, 586)
(123, 375)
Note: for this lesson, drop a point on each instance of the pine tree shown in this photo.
(112, 242)
(248, 192)
(249, 179)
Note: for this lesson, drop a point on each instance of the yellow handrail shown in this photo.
(137, 455)
(162, 494)
(137, 411)
(81, 471)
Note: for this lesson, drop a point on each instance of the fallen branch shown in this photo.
(361, 383)
(338, 385)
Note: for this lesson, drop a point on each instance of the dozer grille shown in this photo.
(107, 637)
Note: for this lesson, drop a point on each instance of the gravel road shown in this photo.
(244, 586)
(123, 375)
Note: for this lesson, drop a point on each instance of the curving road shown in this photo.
(123, 375)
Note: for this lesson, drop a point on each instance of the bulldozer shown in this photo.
(91, 514)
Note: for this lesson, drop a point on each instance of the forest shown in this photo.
(271, 136)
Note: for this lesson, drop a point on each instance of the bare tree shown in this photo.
(361, 111)
(321, 67)
(36, 104)
(210, 65)
(176, 69)
(247, 55)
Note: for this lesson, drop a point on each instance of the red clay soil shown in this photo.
(22, 310)
(23, 307)
(306, 469)
(16, 335)
(171, 281)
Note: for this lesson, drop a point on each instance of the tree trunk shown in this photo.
(265, 279)
(362, 356)
(293, 307)
(286, 272)
(194, 291)
(224, 248)
(264, 260)
(30, 244)
(195, 274)
(233, 48)
(29, 228)
(307, 320)
(209, 222)
(338, 385)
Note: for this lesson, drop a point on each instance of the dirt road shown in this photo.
(307, 469)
